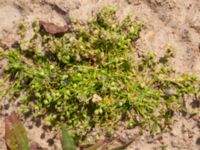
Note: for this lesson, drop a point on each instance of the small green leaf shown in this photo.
(67, 141)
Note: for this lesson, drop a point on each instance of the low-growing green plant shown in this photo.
(90, 77)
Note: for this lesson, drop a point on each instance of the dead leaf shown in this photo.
(15, 133)
(53, 29)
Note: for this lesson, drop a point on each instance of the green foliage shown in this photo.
(15, 134)
(67, 141)
(89, 77)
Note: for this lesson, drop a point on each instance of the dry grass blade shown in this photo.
(123, 147)
(98, 145)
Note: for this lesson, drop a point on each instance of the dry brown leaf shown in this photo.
(53, 29)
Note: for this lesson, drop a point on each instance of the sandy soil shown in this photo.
(170, 22)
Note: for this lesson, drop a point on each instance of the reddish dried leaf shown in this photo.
(15, 134)
(53, 29)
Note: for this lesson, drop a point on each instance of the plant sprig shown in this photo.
(87, 77)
